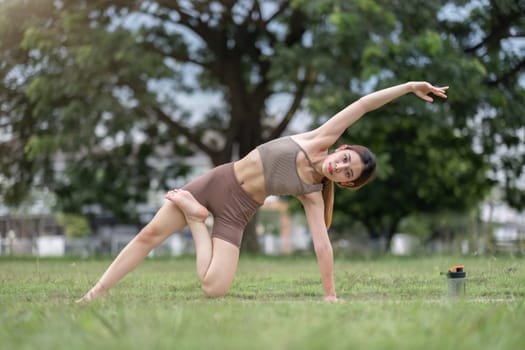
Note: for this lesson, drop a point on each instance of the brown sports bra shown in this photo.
(279, 159)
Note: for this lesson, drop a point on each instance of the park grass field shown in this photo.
(274, 303)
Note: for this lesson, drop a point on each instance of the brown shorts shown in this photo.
(231, 207)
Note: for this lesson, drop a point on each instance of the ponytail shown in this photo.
(328, 199)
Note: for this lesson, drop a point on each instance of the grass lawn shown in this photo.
(274, 303)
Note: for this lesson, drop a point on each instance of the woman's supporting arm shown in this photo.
(314, 210)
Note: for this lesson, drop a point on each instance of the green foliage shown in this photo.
(445, 225)
(75, 226)
(81, 95)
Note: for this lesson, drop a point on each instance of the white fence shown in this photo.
(49, 246)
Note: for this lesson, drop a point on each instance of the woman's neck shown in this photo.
(310, 169)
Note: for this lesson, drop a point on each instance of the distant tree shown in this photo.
(75, 226)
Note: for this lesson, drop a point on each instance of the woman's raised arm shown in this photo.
(332, 129)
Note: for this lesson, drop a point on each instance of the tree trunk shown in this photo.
(388, 244)
(390, 234)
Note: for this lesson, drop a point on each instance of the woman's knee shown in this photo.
(221, 271)
(148, 235)
(169, 219)
(214, 289)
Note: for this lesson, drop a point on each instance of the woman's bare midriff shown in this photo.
(250, 175)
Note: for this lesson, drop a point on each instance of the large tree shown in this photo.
(101, 85)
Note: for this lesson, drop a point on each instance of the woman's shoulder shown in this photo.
(312, 141)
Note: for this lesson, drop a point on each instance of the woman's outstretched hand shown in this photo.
(423, 89)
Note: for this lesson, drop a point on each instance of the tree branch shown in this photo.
(261, 23)
(280, 10)
(299, 95)
(257, 9)
(176, 128)
(178, 56)
(512, 72)
(498, 32)
(191, 22)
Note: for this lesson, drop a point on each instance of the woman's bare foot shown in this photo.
(192, 209)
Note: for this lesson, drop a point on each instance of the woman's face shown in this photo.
(342, 166)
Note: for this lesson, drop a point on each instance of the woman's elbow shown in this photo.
(323, 249)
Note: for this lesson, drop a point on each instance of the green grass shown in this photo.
(274, 303)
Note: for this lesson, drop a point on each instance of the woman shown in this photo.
(299, 165)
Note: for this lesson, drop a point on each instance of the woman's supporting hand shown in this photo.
(94, 293)
(331, 299)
